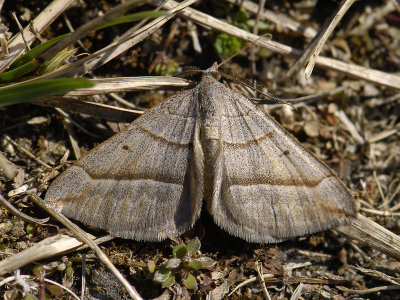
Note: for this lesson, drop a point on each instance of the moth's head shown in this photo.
(192, 71)
(213, 71)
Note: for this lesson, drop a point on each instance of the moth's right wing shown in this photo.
(268, 187)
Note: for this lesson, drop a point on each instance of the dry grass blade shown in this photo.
(91, 108)
(379, 275)
(372, 234)
(369, 291)
(126, 84)
(50, 247)
(313, 50)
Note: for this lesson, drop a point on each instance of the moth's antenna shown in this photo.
(226, 74)
(187, 71)
(245, 81)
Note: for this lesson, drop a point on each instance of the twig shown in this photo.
(382, 135)
(385, 213)
(297, 292)
(248, 281)
(124, 102)
(82, 236)
(63, 287)
(83, 284)
(195, 37)
(261, 279)
(374, 235)
(67, 116)
(253, 49)
(384, 202)
(369, 291)
(21, 30)
(71, 133)
(20, 214)
(378, 275)
(313, 50)
(27, 153)
(350, 126)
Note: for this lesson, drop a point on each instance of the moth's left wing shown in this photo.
(143, 182)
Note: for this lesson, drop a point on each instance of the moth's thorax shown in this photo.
(209, 103)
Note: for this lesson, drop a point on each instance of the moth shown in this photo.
(210, 145)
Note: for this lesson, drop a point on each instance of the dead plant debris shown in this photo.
(355, 130)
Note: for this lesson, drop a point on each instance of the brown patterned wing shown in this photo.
(142, 183)
(267, 186)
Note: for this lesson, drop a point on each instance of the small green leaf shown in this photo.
(151, 265)
(179, 251)
(161, 275)
(61, 267)
(193, 246)
(261, 25)
(47, 296)
(227, 44)
(206, 262)
(39, 271)
(190, 282)
(195, 264)
(29, 91)
(241, 16)
(149, 14)
(69, 271)
(54, 290)
(30, 228)
(30, 297)
(169, 281)
(173, 263)
(166, 67)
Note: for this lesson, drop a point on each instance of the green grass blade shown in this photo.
(151, 14)
(30, 55)
(28, 91)
(19, 71)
